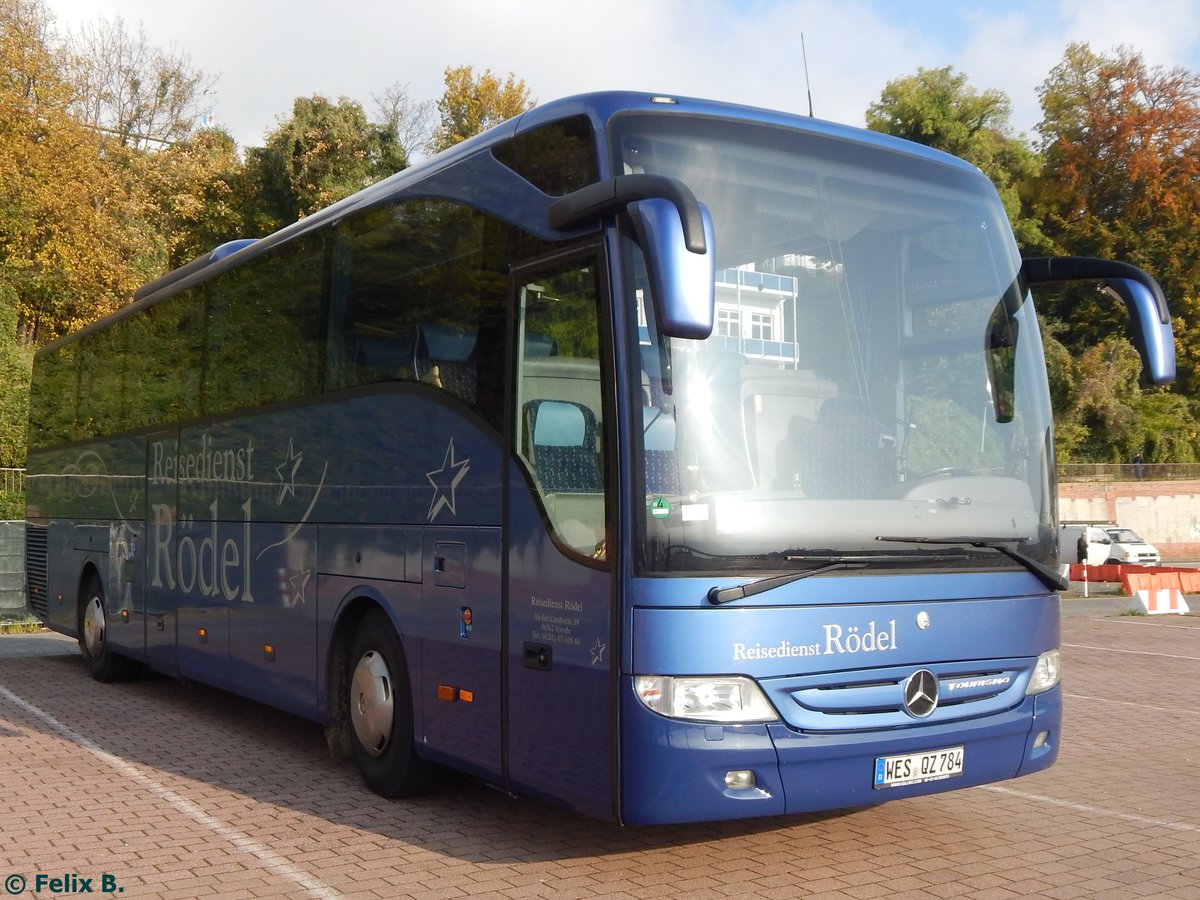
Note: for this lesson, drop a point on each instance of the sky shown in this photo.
(266, 53)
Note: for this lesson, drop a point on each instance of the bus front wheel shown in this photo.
(105, 665)
(379, 704)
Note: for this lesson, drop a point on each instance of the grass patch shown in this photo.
(21, 626)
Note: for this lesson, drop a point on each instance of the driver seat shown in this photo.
(850, 452)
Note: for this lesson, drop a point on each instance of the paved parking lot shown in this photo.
(155, 789)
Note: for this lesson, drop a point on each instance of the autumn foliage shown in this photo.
(1122, 152)
(108, 183)
(1115, 174)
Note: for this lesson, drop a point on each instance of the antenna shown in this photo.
(807, 86)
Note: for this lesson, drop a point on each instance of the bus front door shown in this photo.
(560, 650)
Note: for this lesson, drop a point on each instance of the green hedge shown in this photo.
(12, 507)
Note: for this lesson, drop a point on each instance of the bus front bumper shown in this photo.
(674, 771)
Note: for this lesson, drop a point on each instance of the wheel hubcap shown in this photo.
(372, 706)
(93, 627)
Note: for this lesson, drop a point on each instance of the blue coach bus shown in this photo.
(664, 459)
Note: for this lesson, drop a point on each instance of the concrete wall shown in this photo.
(12, 571)
(1165, 513)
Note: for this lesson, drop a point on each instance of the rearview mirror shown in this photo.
(683, 281)
(1149, 319)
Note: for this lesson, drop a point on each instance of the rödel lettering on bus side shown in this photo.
(216, 568)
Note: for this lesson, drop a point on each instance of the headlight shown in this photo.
(1045, 673)
(732, 699)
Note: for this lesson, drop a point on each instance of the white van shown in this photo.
(1106, 544)
(1130, 549)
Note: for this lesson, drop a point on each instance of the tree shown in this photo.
(15, 365)
(196, 194)
(1109, 417)
(473, 104)
(938, 108)
(1118, 176)
(410, 120)
(141, 95)
(67, 253)
(1122, 180)
(322, 153)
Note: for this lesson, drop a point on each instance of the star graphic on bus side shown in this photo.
(287, 472)
(445, 482)
(597, 650)
(299, 583)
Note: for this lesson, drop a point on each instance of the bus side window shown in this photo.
(559, 420)
(264, 339)
(418, 296)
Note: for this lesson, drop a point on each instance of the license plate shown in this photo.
(917, 768)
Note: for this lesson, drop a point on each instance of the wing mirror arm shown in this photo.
(675, 231)
(605, 198)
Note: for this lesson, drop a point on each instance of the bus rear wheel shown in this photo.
(379, 704)
(104, 664)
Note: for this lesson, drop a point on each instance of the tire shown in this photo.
(380, 711)
(104, 664)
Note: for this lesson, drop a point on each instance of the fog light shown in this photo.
(1038, 742)
(740, 780)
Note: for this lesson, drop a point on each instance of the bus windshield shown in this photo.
(875, 370)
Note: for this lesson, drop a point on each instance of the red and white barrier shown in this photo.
(1161, 602)
(1154, 590)
(1157, 595)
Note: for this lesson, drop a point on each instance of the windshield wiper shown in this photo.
(833, 561)
(1049, 577)
(727, 595)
